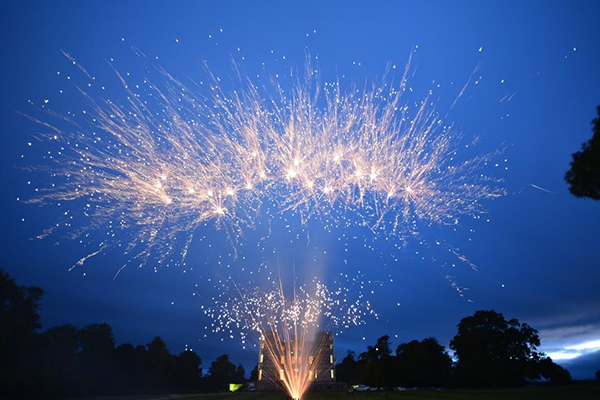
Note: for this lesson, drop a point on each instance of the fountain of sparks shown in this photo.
(295, 350)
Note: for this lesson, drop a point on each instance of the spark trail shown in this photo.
(154, 168)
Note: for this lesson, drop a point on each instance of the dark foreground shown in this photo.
(576, 391)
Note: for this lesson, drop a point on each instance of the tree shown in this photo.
(240, 375)
(130, 372)
(57, 352)
(97, 345)
(160, 363)
(494, 352)
(376, 364)
(584, 175)
(222, 372)
(423, 364)
(19, 320)
(187, 371)
(553, 372)
(254, 374)
(347, 370)
(67, 361)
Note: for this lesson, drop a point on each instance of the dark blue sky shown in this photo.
(538, 259)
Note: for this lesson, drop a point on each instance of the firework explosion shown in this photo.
(293, 341)
(148, 171)
(168, 160)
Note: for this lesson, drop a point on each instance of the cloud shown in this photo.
(574, 351)
(577, 339)
(573, 341)
(583, 367)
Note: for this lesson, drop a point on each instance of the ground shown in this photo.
(577, 391)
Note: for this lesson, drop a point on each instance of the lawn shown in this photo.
(576, 391)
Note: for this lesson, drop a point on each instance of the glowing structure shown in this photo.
(296, 363)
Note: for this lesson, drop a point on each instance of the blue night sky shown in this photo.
(533, 96)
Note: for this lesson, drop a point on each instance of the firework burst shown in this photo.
(169, 159)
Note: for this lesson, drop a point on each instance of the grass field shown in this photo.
(577, 391)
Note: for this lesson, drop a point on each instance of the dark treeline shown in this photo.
(490, 352)
(68, 361)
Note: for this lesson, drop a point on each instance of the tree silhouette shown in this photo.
(96, 340)
(131, 369)
(552, 372)
(423, 364)
(348, 370)
(57, 355)
(160, 362)
(222, 372)
(70, 361)
(187, 371)
(254, 373)
(19, 319)
(584, 176)
(240, 375)
(494, 352)
(376, 364)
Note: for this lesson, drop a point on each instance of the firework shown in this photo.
(153, 169)
(296, 332)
